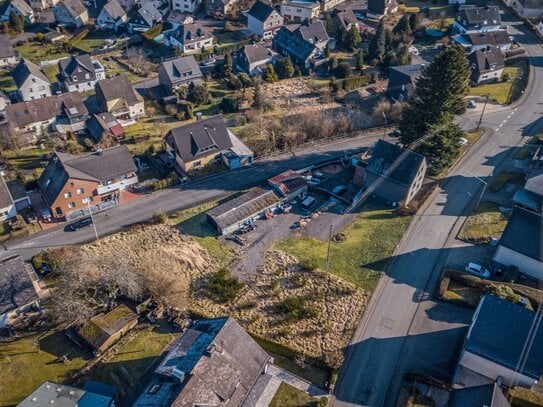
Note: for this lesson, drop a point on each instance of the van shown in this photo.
(308, 202)
(477, 270)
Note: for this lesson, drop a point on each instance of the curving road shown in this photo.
(403, 329)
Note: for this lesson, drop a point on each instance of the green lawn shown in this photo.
(113, 68)
(462, 294)
(505, 177)
(6, 81)
(156, 127)
(91, 42)
(371, 240)
(25, 159)
(441, 24)
(51, 71)
(503, 91)
(288, 396)
(23, 368)
(37, 51)
(133, 358)
(228, 38)
(483, 224)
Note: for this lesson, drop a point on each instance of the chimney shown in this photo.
(198, 115)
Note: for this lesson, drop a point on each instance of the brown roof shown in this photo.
(116, 88)
(74, 7)
(6, 50)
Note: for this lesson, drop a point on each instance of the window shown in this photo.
(80, 191)
(87, 200)
(87, 76)
(71, 205)
(67, 194)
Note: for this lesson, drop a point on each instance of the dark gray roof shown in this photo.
(481, 16)
(114, 9)
(105, 165)
(69, 65)
(401, 77)
(534, 182)
(62, 395)
(243, 207)
(261, 11)
(315, 31)
(24, 69)
(148, 14)
(528, 199)
(487, 60)
(116, 88)
(385, 153)
(256, 52)
(293, 44)
(23, 7)
(183, 69)
(193, 32)
(524, 233)
(346, 18)
(532, 4)
(16, 289)
(377, 6)
(16, 189)
(498, 333)
(499, 37)
(74, 7)
(488, 395)
(5, 196)
(219, 363)
(6, 49)
(200, 139)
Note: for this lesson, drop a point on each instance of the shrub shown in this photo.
(160, 217)
(343, 70)
(502, 291)
(295, 309)
(354, 82)
(223, 287)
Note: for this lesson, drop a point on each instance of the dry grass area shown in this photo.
(326, 308)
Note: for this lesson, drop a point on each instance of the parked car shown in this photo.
(462, 141)
(477, 270)
(78, 225)
(286, 208)
(209, 61)
(472, 104)
(245, 229)
(338, 190)
(87, 4)
(296, 225)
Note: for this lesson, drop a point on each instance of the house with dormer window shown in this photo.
(478, 19)
(178, 72)
(190, 38)
(80, 73)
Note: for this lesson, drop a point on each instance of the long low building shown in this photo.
(231, 215)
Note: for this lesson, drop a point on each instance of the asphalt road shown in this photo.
(169, 200)
(390, 336)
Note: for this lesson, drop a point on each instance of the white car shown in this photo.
(87, 3)
(462, 141)
(477, 270)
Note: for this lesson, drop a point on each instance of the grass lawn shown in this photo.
(441, 24)
(500, 92)
(193, 222)
(485, 222)
(288, 396)
(462, 294)
(113, 68)
(156, 127)
(520, 397)
(25, 159)
(504, 177)
(6, 81)
(134, 357)
(371, 240)
(24, 368)
(91, 42)
(228, 38)
(51, 71)
(37, 51)
(473, 136)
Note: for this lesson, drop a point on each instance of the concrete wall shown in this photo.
(526, 264)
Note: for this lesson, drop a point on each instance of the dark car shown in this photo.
(78, 225)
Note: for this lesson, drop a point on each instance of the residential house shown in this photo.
(18, 193)
(163, 6)
(243, 210)
(253, 58)
(54, 37)
(42, 5)
(394, 174)
(8, 56)
(18, 292)
(7, 206)
(345, 19)
(528, 8)
(80, 72)
(21, 8)
(55, 394)
(263, 20)
(128, 5)
(299, 12)
(215, 362)
(380, 8)
(30, 81)
(303, 53)
(145, 17)
(191, 38)
(104, 329)
(485, 395)
(103, 126)
(219, 8)
(73, 184)
(112, 17)
(178, 72)
(480, 41)
(205, 141)
(401, 81)
(117, 96)
(178, 19)
(328, 5)
(316, 34)
(186, 6)
(497, 340)
(289, 184)
(531, 196)
(486, 65)
(71, 13)
(478, 19)
(521, 244)
(62, 113)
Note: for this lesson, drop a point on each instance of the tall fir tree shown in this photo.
(377, 47)
(270, 75)
(285, 68)
(352, 38)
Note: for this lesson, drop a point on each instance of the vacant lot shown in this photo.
(27, 363)
(480, 226)
(369, 242)
(37, 51)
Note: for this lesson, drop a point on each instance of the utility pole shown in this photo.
(385, 128)
(329, 247)
(92, 220)
(482, 113)
(482, 192)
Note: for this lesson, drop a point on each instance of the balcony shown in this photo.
(125, 183)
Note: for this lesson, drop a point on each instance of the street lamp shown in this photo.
(92, 218)
(384, 128)
(482, 113)
(485, 184)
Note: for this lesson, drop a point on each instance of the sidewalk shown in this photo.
(296, 381)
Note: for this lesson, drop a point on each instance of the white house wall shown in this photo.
(526, 264)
